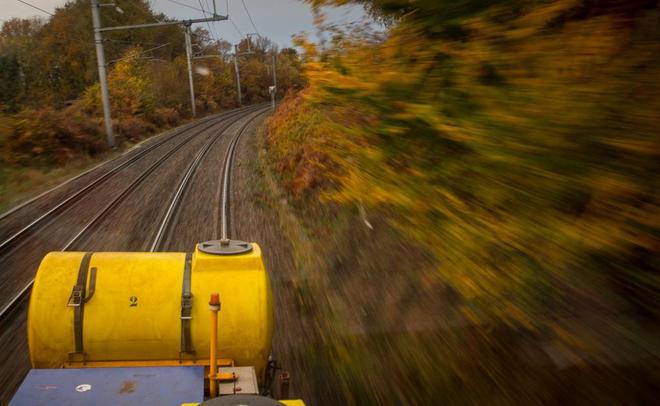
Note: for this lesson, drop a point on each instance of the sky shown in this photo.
(275, 19)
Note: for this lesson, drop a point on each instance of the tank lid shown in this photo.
(225, 247)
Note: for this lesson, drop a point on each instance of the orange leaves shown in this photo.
(297, 138)
(49, 137)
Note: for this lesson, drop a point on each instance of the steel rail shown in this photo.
(159, 139)
(226, 174)
(7, 309)
(143, 176)
(185, 181)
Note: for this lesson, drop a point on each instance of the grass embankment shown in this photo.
(20, 184)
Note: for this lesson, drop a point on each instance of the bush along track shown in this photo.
(486, 163)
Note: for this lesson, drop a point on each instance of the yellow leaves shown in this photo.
(469, 289)
(612, 185)
(513, 155)
(129, 86)
(637, 146)
(538, 18)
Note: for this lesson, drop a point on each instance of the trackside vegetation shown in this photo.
(507, 153)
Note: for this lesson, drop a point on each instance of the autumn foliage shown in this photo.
(517, 141)
(50, 99)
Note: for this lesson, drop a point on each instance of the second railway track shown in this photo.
(12, 230)
(12, 246)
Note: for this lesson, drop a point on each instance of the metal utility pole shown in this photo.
(238, 76)
(273, 89)
(190, 75)
(100, 58)
(274, 71)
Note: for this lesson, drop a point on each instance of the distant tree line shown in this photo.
(48, 70)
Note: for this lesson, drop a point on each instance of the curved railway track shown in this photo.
(16, 237)
(33, 227)
(160, 238)
(19, 297)
(226, 176)
(153, 142)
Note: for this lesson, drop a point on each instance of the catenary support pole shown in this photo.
(238, 76)
(100, 57)
(273, 92)
(274, 70)
(190, 73)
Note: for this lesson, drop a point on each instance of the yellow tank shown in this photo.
(134, 312)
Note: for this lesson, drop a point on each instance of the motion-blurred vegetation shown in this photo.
(517, 141)
(50, 110)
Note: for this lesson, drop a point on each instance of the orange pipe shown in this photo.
(214, 307)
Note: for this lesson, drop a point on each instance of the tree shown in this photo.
(9, 81)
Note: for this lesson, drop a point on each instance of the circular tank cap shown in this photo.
(225, 247)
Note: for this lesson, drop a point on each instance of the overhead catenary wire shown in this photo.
(88, 44)
(208, 6)
(212, 11)
(200, 9)
(186, 5)
(138, 8)
(240, 34)
(250, 17)
(207, 23)
(35, 7)
(141, 53)
(123, 41)
(201, 51)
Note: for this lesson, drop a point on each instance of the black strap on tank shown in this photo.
(186, 308)
(78, 299)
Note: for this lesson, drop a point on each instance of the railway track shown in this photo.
(16, 236)
(114, 202)
(161, 236)
(226, 177)
(12, 315)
